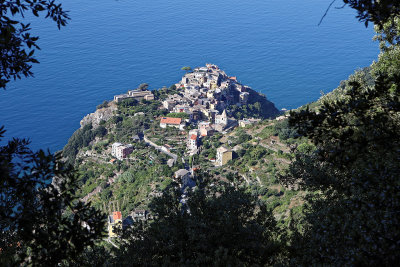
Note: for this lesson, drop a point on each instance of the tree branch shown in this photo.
(326, 12)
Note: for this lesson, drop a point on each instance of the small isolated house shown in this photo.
(121, 151)
(223, 156)
(114, 222)
(140, 215)
(192, 142)
(172, 122)
(185, 177)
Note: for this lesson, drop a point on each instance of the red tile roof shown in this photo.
(167, 120)
(193, 137)
(117, 215)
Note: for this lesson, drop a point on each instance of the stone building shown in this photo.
(223, 156)
(222, 119)
(135, 94)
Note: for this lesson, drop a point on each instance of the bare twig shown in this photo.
(326, 12)
(341, 7)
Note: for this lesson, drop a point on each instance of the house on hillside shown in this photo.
(172, 122)
(114, 222)
(245, 122)
(223, 156)
(135, 94)
(121, 151)
(184, 177)
(140, 215)
(205, 128)
(181, 108)
(192, 142)
(168, 104)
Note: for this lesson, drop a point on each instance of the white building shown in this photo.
(193, 141)
(121, 151)
(222, 119)
(172, 122)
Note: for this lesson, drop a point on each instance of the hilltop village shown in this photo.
(203, 104)
(133, 147)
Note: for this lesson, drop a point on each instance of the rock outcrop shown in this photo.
(100, 114)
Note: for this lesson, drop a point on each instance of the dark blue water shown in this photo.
(111, 46)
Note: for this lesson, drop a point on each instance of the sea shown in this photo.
(111, 46)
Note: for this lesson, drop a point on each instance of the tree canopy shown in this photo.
(377, 12)
(215, 224)
(186, 68)
(41, 220)
(354, 216)
(17, 46)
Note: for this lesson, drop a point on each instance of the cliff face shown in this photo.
(267, 109)
(100, 114)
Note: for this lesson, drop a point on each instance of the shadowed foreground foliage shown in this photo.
(219, 225)
(354, 217)
(41, 220)
(17, 46)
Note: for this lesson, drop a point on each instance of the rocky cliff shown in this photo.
(96, 117)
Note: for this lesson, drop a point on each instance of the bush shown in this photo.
(284, 131)
(306, 148)
(100, 131)
(81, 138)
(127, 177)
(116, 119)
(130, 102)
(181, 115)
(104, 105)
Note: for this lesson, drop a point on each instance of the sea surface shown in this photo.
(111, 46)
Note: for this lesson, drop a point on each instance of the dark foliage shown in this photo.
(354, 219)
(284, 131)
(100, 131)
(377, 12)
(17, 46)
(41, 220)
(102, 105)
(217, 225)
(257, 107)
(81, 138)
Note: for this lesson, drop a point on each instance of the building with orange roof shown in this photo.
(172, 122)
(193, 141)
(114, 222)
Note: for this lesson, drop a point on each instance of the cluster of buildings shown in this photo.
(206, 94)
(136, 94)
